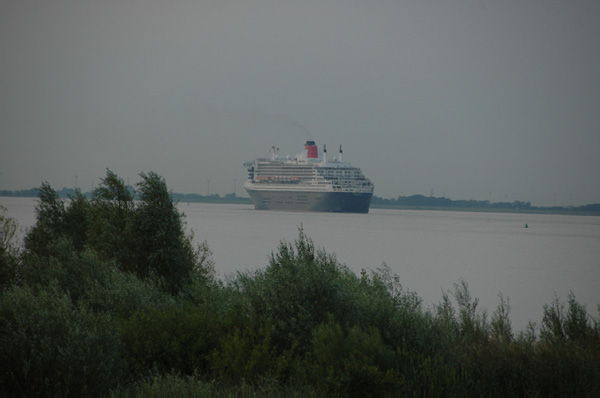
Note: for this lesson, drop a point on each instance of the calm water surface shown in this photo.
(429, 250)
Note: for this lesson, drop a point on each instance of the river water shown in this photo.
(429, 250)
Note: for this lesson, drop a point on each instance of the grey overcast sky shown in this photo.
(470, 99)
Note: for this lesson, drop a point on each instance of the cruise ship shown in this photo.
(309, 181)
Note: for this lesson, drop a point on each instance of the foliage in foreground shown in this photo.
(108, 297)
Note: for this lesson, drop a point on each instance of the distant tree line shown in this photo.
(24, 193)
(421, 201)
(213, 198)
(180, 197)
(107, 296)
(432, 201)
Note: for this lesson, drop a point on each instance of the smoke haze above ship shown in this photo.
(478, 100)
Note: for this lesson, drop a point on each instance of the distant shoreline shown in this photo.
(414, 202)
(538, 210)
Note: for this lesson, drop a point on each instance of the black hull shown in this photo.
(338, 202)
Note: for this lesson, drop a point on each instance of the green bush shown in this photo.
(159, 238)
(297, 291)
(49, 347)
(9, 251)
(353, 362)
(169, 385)
(90, 281)
(247, 355)
(144, 237)
(173, 385)
(567, 359)
(171, 338)
(50, 223)
(382, 302)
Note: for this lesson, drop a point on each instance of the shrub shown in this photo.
(160, 243)
(50, 214)
(88, 280)
(574, 326)
(297, 291)
(9, 272)
(355, 362)
(146, 238)
(500, 324)
(48, 346)
(248, 355)
(383, 303)
(171, 338)
(111, 221)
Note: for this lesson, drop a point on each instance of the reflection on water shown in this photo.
(429, 250)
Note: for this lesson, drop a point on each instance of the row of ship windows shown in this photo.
(279, 170)
(289, 173)
(340, 173)
(295, 176)
(268, 169)
(336, 183)
(309, 172)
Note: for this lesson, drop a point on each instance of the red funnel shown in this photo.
(312, 150)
